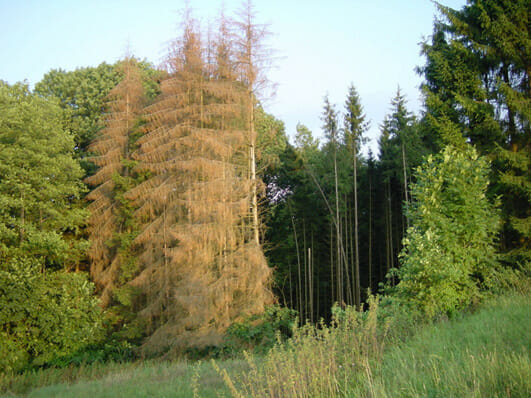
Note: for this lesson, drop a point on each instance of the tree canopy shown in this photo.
(193, 208)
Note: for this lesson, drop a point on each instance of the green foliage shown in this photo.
(271, 140)
(477, 91)
(80, 94)
(261, 332)
(448, 254)
(40, 182)
(106, 351)
(44, 316)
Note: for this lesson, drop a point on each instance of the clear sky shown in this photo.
(324, 45)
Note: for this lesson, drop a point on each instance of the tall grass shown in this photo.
(479, 355)
(316, 361)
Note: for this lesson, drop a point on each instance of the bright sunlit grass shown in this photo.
(485, 354)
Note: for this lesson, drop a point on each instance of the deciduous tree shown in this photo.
(449, 252)
(40, 182)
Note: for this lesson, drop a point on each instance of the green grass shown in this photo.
(483, 354)
(140, 379)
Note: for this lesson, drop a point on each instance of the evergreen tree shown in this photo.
(112, 227)
(355, 126)
(400, 127)
(477, 84)
(201, 267)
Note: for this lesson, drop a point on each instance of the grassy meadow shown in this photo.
(479, 354)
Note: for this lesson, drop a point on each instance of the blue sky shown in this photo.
(323, 46)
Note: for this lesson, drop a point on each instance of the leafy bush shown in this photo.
(43, 317)
(108, 351)
(448, 255)
(260, 332)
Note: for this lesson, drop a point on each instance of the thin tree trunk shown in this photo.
(391, 250)
(405, 179)
(298, 267)
(290, 286)
(345, 248)
(305, 269)
(332, 276)
(387, 229)
(352, 259)
(311, 280)
(356, 238)
(338, 232)
(310, 299)
(254, 193)
(370, 231)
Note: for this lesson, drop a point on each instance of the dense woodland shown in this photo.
(154, 207)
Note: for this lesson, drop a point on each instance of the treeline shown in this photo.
(189, 208)
(339, 229)
(336, 227)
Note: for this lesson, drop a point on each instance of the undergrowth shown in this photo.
(480, 354)
(382, 352)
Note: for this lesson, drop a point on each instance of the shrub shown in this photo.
(43, 317)
(260, 332)
(448, 255)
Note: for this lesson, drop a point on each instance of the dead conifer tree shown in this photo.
(201, 271)
(112, 155)
(253, 59)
